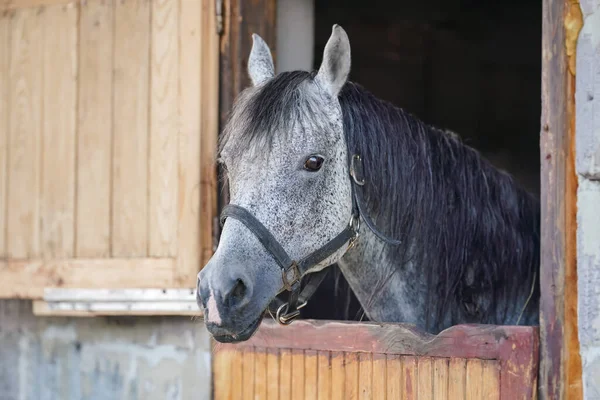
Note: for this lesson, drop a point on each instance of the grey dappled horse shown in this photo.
(320, 171)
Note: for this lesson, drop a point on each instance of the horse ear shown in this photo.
(335, 67)
(260, 62)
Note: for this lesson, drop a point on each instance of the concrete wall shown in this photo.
(101, 358)
(588, 214)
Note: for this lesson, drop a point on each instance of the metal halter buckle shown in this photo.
(283, 317)
(288, 281)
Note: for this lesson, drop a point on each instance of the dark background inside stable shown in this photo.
(473, 67)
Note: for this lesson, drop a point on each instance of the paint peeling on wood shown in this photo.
(573, 24)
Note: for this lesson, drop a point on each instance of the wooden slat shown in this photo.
(164, 126)
(440, 379)
(457, 377)
(94, 129)
(365, 376)
(221, 374)
(311, 370)
(47, 309)
(28, 278)
(324, 380)
(211, 77)
(298, 374)
(248, 374)
(24, 154)
(4, 125)
(474, 379)
(285, 375)
(410, 378)
(59, 121)
(130, 121)
(260, 374)
(393, 378)
(16, 4)
(190, 109)
(425, 378)
(236, 377)
(351, 383)
(272, 374)
(380, 376)
(338, 376)
(491, 380)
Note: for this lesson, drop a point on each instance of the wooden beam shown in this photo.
(29, 278)
(16, 4)
(560, 364)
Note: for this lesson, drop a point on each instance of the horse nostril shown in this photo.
(239, 291)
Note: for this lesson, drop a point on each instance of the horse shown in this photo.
(321, 172)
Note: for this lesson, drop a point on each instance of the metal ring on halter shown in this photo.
(285, 318)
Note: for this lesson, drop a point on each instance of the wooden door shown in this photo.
(108, 127)
(348, 360)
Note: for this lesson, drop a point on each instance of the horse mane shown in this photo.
(468, 226)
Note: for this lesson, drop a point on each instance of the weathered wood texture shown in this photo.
(108, 128)
(311, 360)
(560, 364)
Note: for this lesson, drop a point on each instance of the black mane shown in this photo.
(474, 231)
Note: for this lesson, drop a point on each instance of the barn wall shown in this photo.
(588, 218)
(101, 358)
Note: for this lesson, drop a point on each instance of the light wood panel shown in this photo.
(94, 129)
(130, 124)
(417, 366)
(164, 118)
(4, 126)
(108, 129)
(58, 126)
(25, 134)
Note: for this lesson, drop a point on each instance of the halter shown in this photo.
(293, 271)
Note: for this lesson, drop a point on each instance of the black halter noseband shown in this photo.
(293, 271)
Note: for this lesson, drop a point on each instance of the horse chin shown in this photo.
(244, 335)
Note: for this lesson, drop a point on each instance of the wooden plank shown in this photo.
(130, 122)
(209, 128)
(365, 376)
(474, 374)
(393, 379)
(6, 5)
(94, 129)
(351, 382)
(164, 126)
(310, 375)
(491, 380)
(25, 134)
(379, 377)
(457, 378)
(59, 121)
(248, 373)
(285, 375)
(440, 379)
(29, 278)
(410, 378)
(298, 374)
(236, 379)
(483, 341)
(221, 374)
(189, 134)
(560, 362)
(425, 378)
(324, 371)
(338, 376)
(4, 125)
(260, 374)
(272, 374)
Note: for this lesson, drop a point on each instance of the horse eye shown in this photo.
(313, 163)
